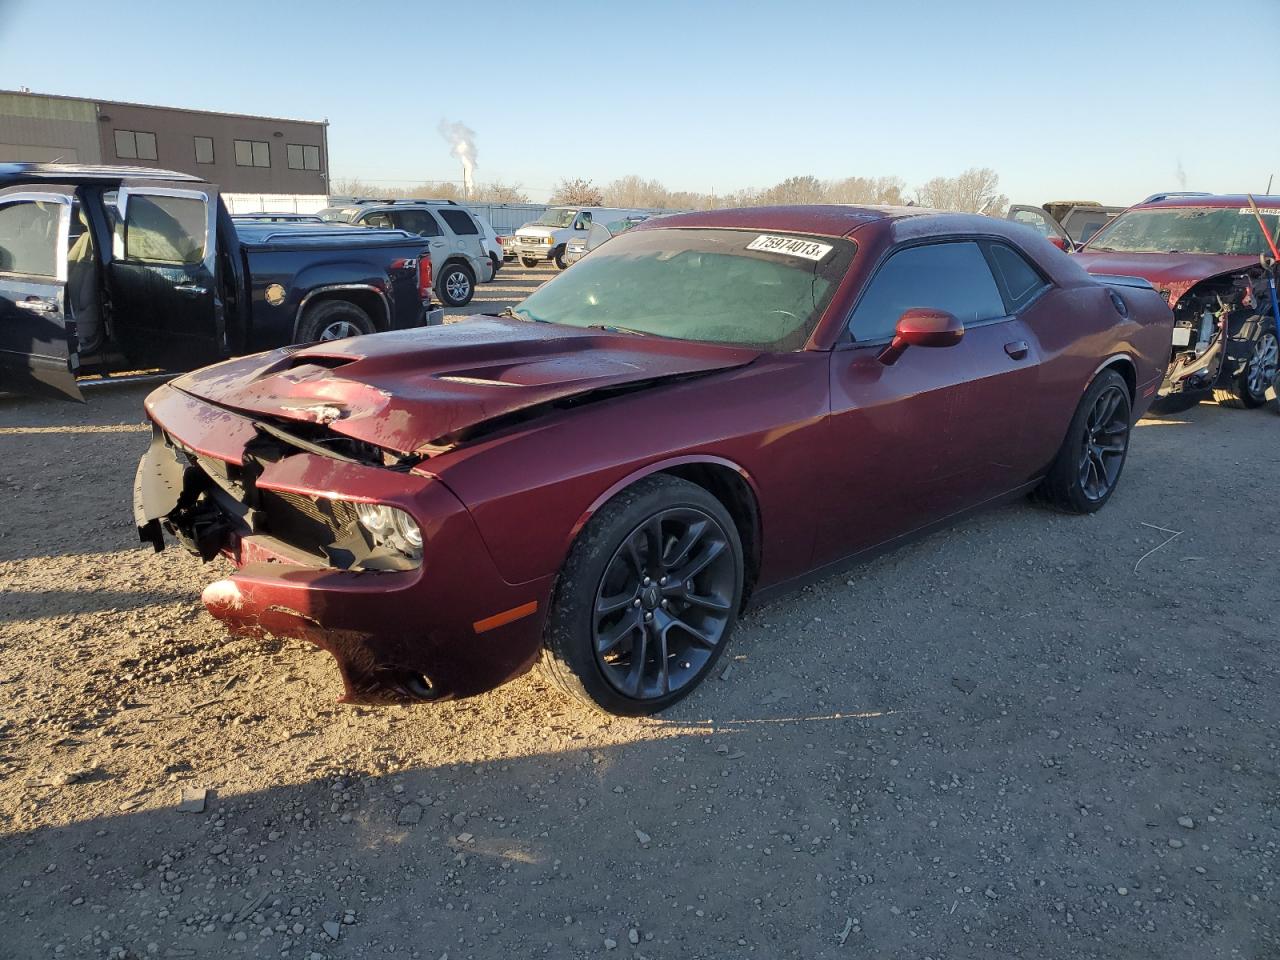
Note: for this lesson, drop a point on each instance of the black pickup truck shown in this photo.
(108, 268)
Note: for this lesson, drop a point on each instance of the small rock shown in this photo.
(609, 943)
(643, 837)
(333, 929)
(459, 819)
(465, 837)
(193, 800)
(1175, 843)
(409, 813)
(1054, 734)
(1123, 891)
(633, 936)
(1187, 823)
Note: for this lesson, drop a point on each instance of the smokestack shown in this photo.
(462, 144)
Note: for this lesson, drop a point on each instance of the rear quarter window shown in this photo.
(1021, 281)
(460, 222)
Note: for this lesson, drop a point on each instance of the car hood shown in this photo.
(536, 232)
(413, 390)
(1175, 272)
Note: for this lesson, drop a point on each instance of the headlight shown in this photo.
(392, 527)
(546, 240)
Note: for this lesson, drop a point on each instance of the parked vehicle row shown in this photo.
(548, 237)
(598, 234)
(110, 268)
(708, 409)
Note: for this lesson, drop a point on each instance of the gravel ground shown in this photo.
(1002, 741)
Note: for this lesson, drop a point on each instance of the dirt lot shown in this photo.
(1002, 741)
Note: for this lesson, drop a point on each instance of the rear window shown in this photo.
(29, 238)
(339, 214)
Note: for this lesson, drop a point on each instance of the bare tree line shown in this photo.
(976, 190)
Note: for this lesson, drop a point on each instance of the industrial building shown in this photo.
(242, 154)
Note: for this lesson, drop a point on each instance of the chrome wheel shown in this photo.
(339, 330)
(1263, 364)
(1106, 438)
(664, 603)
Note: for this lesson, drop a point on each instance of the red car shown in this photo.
(1203, 254)
(706, 410)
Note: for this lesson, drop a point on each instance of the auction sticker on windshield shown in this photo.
(809, 249)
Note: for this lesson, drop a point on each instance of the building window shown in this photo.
(302, 157)
(135, 145)
(253, 153)
(204, 149)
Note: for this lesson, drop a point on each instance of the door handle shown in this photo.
(1017, 349)
(36, 306)
(192, 289)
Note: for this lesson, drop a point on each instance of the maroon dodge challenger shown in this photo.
(704, 411)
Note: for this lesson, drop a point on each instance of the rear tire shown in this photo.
(647, 600)
(497, 265)
(529, 262)
(333, 320)
(1248, 389)
(1087, 468)
(456, 284)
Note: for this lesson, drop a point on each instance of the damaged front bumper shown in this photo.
(399, 632)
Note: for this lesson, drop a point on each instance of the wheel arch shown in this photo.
(729, 482)
(368, 298)
(1123, 364)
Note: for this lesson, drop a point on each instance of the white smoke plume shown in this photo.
(462, 144)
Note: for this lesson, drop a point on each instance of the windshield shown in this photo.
(556, 217)
(1187, 230)
(338, 214)
(724, 286)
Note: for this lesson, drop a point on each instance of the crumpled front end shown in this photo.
(401, 629)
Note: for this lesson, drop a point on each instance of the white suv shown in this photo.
(459, 257)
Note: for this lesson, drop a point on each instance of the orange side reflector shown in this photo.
(505, 617)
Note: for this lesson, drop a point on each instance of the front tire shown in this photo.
(558, 257)
(333, 320)
(457, 285)
(1088, 465)
(1248, 389)
(647, 599)
(529, 262)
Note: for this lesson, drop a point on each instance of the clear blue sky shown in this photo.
(1104, 100)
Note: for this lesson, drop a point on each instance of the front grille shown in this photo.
(313, 524)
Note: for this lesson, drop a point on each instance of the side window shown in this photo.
(376, 219)
(460, 222)
(417, 221)
(1020, 280)
(161, 229)
(29, 238)
(583, 222)
(946, 276)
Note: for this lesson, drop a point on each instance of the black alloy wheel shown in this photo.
(1104, 443)
(647, 598)
(1087, 468)
(664, 603)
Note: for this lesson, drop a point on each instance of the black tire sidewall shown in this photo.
(569, 640)
(558, 257)
(442, 288)
(528, 263)
(321, 315)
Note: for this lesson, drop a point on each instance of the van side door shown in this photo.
(38, 349)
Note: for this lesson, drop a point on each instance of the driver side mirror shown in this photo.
(922, 327)
(1062, 243)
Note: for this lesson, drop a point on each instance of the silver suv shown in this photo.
(458, 256)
